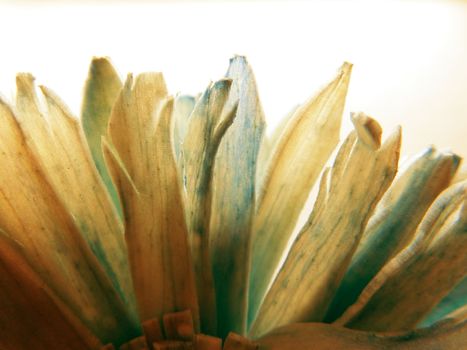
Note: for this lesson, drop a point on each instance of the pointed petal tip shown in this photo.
(48, 93)
(396, 135)
(53, 99)
(343, 75)
(129, 81)
(50, 97)
(126, 89)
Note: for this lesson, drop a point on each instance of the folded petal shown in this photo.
(206, 127)
(318, 258)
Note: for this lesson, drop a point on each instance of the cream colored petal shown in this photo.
(265, 152)
(296, 161)
(321, 253)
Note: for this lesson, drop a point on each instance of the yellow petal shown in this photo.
(148, 183)
(58, 143)
(34, 215)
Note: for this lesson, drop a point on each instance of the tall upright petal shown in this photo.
(207, 125)
(100, 92)
(234, 199)
(57, 140)
(141, 160)
(296, 162)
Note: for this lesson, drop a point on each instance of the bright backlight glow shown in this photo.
(410, 57)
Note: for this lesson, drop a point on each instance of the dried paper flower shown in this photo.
(155, 222)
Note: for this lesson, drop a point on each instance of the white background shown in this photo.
(410, 57)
